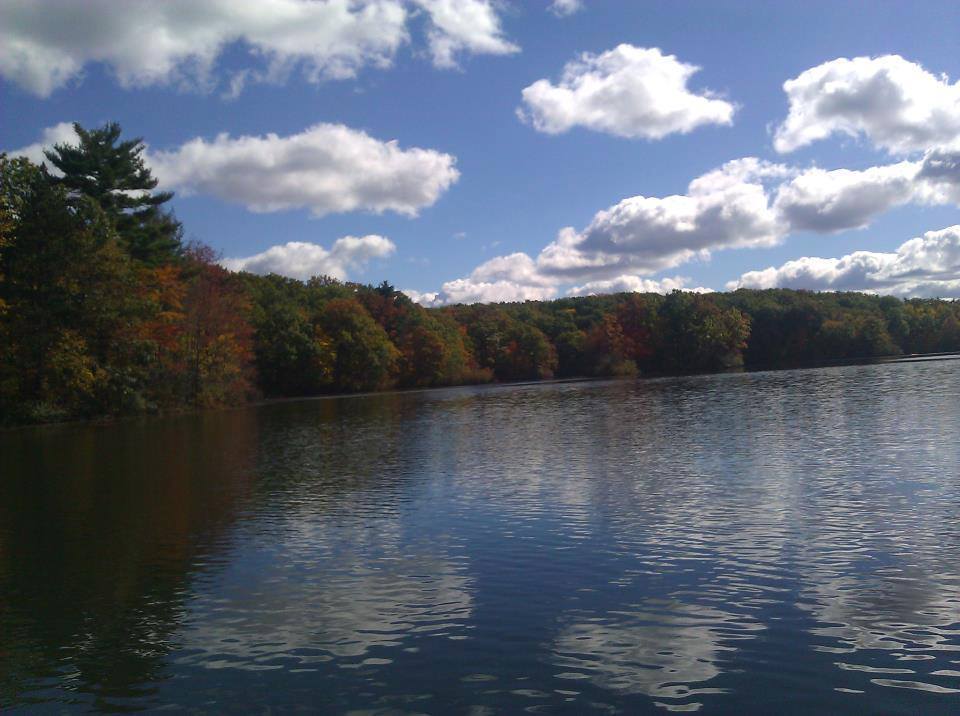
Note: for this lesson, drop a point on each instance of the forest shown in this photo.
(105, 310)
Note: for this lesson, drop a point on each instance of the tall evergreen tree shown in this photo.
(112, 173)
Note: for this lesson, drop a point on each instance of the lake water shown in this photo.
(768, 542)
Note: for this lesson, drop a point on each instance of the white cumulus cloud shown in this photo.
(424, 298)
(726, 208)
(466, 290)
(628, 92)
(898, 105)
(302, 260)
(925, 266)
(46, 44)
(630, 283)
(504, 278)
(516, 268)
(459, 26)
(831, 201)
(326, 168)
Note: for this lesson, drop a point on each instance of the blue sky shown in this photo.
(469, 180)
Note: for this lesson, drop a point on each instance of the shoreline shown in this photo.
(107, 421)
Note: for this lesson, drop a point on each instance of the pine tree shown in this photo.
(113, 173)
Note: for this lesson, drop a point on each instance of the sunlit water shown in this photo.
(779, 542)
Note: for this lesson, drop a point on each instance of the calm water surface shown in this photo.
(771, 542)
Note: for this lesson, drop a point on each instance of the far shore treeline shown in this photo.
(105, 310)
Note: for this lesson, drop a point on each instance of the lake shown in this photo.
(743, 543)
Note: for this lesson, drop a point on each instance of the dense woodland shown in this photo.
(105, 310)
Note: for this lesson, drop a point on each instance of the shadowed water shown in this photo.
(749, 543)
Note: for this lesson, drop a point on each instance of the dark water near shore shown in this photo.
(781, 542)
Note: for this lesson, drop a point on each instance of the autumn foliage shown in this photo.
(105, 311)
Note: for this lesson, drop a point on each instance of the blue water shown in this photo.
(747, 543)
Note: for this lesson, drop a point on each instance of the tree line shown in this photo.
(106, 310)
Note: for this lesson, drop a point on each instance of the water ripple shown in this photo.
(722, 543)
